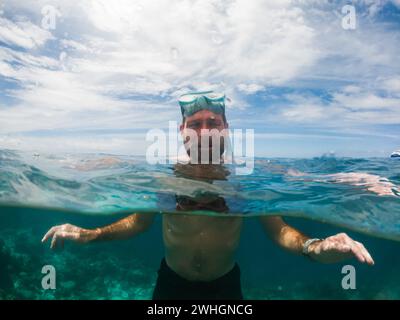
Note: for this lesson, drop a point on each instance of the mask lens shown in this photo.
(214, 96)
(187, 98)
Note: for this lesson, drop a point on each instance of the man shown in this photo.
(199, 260)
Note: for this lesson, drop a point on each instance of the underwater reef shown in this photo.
(105, 275)
(99, 272)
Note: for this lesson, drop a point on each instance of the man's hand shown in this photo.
(122, 229)
(337, 248)
(371, 182)
(68, 232)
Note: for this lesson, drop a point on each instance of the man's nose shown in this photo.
(206, 133)
(204, 126)
(203, 130)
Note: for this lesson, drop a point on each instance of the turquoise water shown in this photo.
(320, 197)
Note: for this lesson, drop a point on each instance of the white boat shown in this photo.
(395, 154)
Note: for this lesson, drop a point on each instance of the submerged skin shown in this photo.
(202, 248)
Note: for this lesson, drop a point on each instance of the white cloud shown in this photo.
(127, 144)
(391, 85)
(346, 108)
(118, 64)
(23, 33)
(366, 101)
(351, 89)
(250, 88)
(152, 48)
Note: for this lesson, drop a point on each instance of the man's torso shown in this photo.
(199, 247)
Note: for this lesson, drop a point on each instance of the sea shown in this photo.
(320, 197)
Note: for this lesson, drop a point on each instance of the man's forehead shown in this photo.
(204, 114)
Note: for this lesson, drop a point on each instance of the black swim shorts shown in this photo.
(171, 286)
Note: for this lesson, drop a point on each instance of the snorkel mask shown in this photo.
(193, 102)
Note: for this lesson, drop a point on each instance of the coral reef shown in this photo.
(96, 272)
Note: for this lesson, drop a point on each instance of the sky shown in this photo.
(309, 77)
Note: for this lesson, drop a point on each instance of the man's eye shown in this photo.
(193, 125)
(213, 123)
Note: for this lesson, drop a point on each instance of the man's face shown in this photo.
(204, 122)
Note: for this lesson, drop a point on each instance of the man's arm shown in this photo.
(283, 234)
(371, 182)
(333, 249)
(122, 229)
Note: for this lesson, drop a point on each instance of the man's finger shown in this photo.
(49, 233)
(369, 257)
(365, 252)
(370, 260)
(54, 241)
(357, 252)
